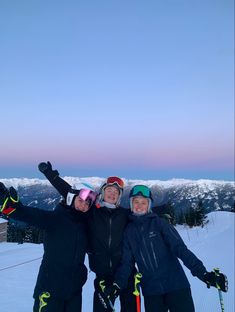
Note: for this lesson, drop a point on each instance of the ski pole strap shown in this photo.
(137, 278)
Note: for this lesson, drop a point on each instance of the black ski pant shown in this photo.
(46, 303)
(177, 301)
(127, 299)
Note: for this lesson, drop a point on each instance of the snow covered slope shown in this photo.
(213, 244)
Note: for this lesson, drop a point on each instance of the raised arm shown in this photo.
(53, 177)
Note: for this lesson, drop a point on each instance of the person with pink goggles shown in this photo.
(81, 199)
(62, 272)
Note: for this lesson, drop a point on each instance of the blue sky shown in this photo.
(132, 88)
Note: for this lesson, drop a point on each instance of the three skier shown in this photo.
(115, 240)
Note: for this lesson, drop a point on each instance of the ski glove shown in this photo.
(218, 280)
(109, 291)
(8, 200)
(46, 169)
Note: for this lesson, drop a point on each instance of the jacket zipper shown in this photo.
(148, 255)
(146, 249)
(142, 256)
(110, 241)
(75, 260)
(154, 255)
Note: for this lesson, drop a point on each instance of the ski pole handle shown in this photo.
(138, 276)
(216, 270)
(136, 291)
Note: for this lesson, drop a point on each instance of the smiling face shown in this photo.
(140, 205)
(111, 194)
(81, 205)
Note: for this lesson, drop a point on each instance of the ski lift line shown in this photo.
(15, 265)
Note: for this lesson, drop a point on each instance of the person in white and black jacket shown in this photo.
(105, 227)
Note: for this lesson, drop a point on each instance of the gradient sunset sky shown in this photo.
(139, 89)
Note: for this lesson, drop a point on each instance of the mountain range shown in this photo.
(180, 193)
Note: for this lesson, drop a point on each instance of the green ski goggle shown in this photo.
(141, 190)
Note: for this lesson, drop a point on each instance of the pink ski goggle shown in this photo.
(88, 195)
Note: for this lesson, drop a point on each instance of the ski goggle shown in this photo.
(115, 180)
(84, 194)
(87, 195)
(141, 190)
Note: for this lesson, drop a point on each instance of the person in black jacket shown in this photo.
(62, 273)
(106, 224)
(155, 246)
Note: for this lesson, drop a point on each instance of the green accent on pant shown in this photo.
(42, 303)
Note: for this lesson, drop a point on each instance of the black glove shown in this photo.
(111, 292)
(46, 169)
(8, 199)
(216, 279)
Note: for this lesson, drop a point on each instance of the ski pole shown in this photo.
(111, 305)
(216, 270)
(136, 292)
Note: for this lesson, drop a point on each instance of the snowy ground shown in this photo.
(214, 245)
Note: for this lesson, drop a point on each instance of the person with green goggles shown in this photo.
(155, 246)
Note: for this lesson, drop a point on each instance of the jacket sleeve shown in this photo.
(40, 218)
(126, 265)
(59, 184)
(180, 250)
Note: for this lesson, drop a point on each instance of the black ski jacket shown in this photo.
(62, 272)
(105, 233)
(106, 228)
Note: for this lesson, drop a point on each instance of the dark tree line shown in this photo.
(233, 209)
(20, 234)
(194, 216)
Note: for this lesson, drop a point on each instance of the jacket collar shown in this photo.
(141, 219)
